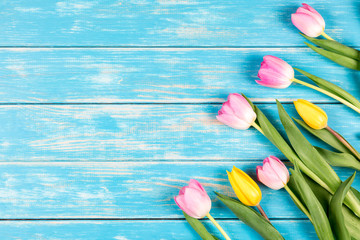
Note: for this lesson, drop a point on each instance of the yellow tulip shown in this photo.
(244, 187)
(312, 115)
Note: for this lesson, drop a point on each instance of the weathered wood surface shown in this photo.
(167, 22)
(123, 190)
(107, 108)
(152, 229)
(142, 132)
(132, 75)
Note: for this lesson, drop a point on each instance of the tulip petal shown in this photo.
(278, 65)
(198, 203)
(270, 78)
(316, 13)
(280, 169)
(244, 187)
(241, 108)
(195, 184)
(232, 121)
(182, 204)
(307, 24)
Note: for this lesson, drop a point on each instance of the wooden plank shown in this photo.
(125, 190)
(142, 132)
(167, 23)
(191, 75)
(130, 230)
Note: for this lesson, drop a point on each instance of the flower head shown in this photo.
(236, 112)
(194, 200)
(312, 115)
(275, 73)
(308, 21)
(273, 173)
(247, 191)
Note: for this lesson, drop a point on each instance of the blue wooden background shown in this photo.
(107, 108)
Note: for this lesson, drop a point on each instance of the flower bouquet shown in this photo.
(331, 205)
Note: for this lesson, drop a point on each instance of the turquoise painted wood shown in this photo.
(124, 190)
(119, 230)
(167, 22)
(171, 75)
(142, 132)
(108, 107)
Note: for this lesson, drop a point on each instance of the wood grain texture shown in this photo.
(142, 132)
(167, 22)
(124, 190)
(77, 75)
(130, 230)
(108, 107)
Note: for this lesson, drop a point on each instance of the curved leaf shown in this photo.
(339, 159)
(336, 216)
(322, 83)
(352, 222)
(314, 161)
(251, 218)
(318, 215)
(307, 152)
(199, 228)
(338, 58)
(335, 46)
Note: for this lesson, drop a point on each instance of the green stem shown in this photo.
(258, 128)
(261, 210)
(298, 202)
(218, 226)
(327, 93)
(326, 36)
(344, 142)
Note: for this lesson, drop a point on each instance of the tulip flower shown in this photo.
(317, 119)
(236, 112)
(247, 191)
(276, 73)
(309, 21)
(314, 116)
(196, 203)
(273, 173)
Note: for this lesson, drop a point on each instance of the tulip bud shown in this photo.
(308, 21)
(273, 173)
(236, 112)
(194, 200)
(312, 115)
(275, 73)
(247, 191)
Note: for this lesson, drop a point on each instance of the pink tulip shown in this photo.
(236, 112)
(275, 73)
(273, 173)
(194, 200)
(308, 21)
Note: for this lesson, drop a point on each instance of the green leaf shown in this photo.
(322, 83)
(352, 222)
(335, 46)
(307, 153)
(251, 218)
(336, 216)
(199, 228)
(318, 215)
(339, 159)
(272, 134)
(314, 161)
(325, 136)
(338, 58)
